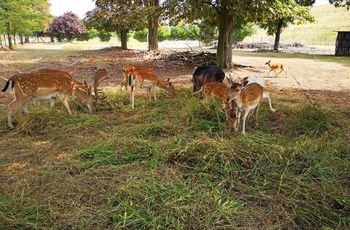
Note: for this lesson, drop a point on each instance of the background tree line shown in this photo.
(224, 20)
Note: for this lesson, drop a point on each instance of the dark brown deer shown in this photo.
(206, 74)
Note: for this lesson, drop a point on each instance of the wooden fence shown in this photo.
(342, 45)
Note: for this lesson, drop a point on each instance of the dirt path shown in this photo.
(312, 75)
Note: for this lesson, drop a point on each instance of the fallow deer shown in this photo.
(247, 98)
(220, 91)
(217, 90)
(46, 84)
(147, 78)
(127, 73)
(232, 115)
(274, 67)
(206, 74)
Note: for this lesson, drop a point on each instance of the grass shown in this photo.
(329, 20)
(171, 164)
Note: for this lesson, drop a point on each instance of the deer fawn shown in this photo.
(274, 67)
(46, 84)
(139, 78)
(247, 98)
(220, 91)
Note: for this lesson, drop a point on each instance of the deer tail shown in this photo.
(7, 86)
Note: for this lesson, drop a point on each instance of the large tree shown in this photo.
(285, 13)
(224, 14)
(118, 16)
(153, 12)
(23, 17)
(123, 16)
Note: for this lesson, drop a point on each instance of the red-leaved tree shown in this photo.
(67, 25)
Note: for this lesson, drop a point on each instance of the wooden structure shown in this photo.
(342, 45)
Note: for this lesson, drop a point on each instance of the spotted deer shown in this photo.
(274, 67)
(220, 90)
(47, 84)
(247, 98)
(147, 78)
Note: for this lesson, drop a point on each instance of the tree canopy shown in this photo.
(68, 24)
(23, 17)
(287, 12)
(120, 16)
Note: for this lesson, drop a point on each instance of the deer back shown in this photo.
(246, 97)
(42, 84)
(216, 89)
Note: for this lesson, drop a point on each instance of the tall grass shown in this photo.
(171, 164)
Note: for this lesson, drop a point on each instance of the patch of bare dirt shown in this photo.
(326, 80)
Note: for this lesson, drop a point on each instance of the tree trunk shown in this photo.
(124, 39)
(152, 25)
(152, 33)
(278, 35)
(224, 50)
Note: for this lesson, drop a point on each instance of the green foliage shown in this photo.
(141, 35)
(243, 30)
(23, 16)
(163, 33)
(92, 33)
(104, 36)
(184, 32)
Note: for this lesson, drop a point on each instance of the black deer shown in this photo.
(205, 74)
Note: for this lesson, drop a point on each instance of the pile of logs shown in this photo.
(187, 58)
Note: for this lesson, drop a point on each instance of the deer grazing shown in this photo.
(220, 90)
(147, 78)
(217, 90)
(47, 84)
(247, 98)
(274, 67)
(206, 74)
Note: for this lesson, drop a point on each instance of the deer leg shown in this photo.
(154, 92)
(256, 113)
(269, 72)
(267, 95)
(14, 104)
(238, 120)
(245, 114)
(25, 107)
(132, 96)
(65, 103)
(280, 72)
(52, 102)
